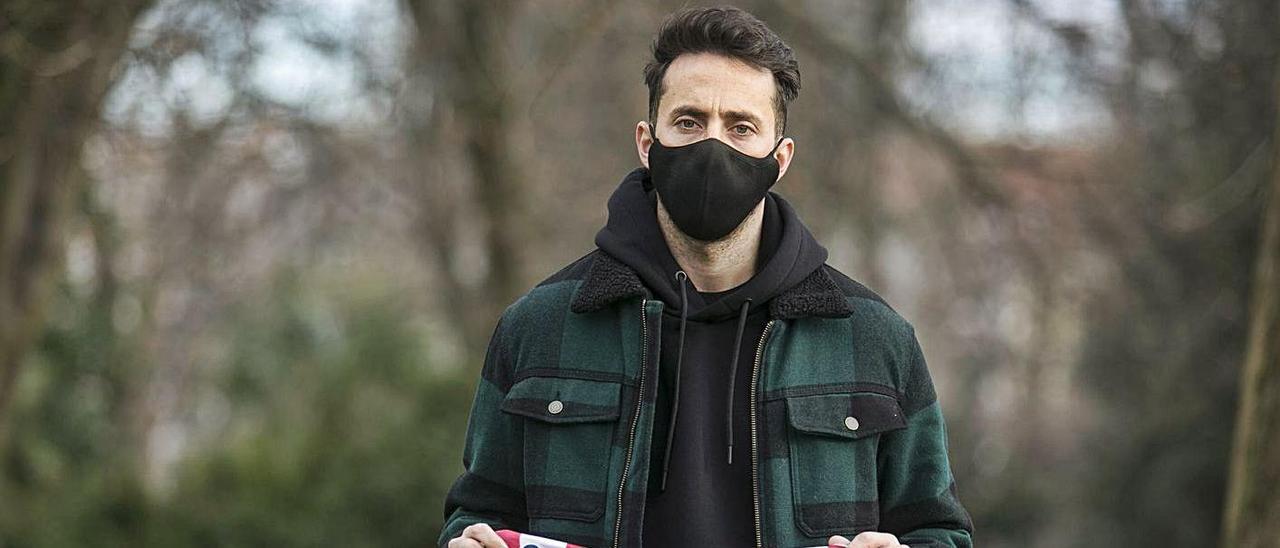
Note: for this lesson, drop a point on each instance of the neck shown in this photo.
(716, 265)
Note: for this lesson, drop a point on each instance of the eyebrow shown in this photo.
(701, 114)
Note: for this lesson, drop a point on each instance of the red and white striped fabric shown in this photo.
(516, 539)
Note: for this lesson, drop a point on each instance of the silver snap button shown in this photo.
(851, 423)
(555, 407)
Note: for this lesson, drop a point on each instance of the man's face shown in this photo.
(710, 95)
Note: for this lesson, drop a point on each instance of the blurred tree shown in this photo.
(461, 63)
(57, 61)
(1252, 518)
(1172, 204)
(460, 52)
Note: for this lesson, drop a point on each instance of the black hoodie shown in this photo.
(700, 490)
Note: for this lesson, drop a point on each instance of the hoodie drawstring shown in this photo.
(675, 398)
(733, 373)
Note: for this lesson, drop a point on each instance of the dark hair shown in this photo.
(729, 31)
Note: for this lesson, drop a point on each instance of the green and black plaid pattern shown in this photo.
(849, 433)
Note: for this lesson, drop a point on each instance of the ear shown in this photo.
(783, 155)
(644, 138)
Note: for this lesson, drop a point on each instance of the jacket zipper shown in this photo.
(635, 418)
(755, 465)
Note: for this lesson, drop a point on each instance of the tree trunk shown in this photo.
(463, 46)
(57, 60)
(1252, 516)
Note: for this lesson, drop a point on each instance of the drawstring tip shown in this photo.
(731, 453)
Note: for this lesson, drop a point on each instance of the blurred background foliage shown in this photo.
(251, 251)
(332, 427)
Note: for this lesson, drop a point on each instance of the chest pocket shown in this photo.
(568, 442)
(833, 441)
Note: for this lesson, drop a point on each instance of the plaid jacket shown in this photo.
(846, 431)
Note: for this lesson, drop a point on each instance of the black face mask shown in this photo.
(709, 187)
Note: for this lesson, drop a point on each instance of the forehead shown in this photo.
(717, 83)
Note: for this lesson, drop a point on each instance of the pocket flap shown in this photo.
(564, 400)
(851, 415)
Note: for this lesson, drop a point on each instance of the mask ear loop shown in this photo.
(781, 135)
(775, 147)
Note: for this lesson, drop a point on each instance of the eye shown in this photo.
(686, 124)
(742, 129)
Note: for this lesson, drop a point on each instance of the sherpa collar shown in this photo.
(609, 279)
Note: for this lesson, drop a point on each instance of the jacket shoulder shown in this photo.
(575, 270)
(559, 286)
(544, 305)
(870, 309)
(853, 289)
(872, 312)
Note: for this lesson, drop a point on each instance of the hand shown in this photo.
(478, 535)
(865, 540)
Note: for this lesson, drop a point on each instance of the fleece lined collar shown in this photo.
(609, 280)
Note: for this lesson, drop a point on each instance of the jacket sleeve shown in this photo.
(918, 500)
(491, 487)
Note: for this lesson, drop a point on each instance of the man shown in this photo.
(702, 377)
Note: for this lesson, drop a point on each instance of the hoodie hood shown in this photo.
(788, 255)
(788, 251)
